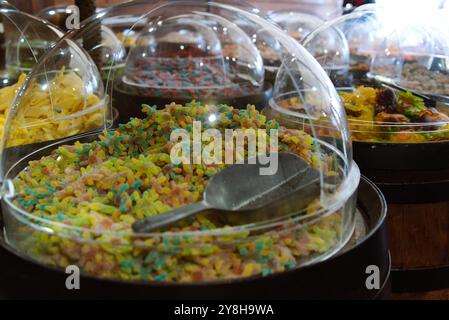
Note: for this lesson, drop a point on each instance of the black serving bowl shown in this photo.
(340, 277)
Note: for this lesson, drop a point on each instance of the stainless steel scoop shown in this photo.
(240, 194)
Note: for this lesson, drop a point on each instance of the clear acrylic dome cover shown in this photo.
(57, 15)
(392, 73)
(61, 95)
(111, 50)
(90, 189)
(108, 45)
(295, 23)
(24, 40)
(194, 44)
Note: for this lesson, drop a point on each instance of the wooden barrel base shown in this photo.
(406, 173)
(419, 243)
(411, 187)
(414, 179)
(418, 228)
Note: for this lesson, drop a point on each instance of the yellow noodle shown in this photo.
(51, 112)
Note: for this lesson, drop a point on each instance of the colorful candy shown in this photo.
(182, 78)
(89, 194)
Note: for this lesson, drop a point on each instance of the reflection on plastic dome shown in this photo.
(6, 5)
(397, 81)
(26, 40)
(296, 24)
(331, 49)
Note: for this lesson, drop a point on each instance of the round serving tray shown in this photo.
(341, 277)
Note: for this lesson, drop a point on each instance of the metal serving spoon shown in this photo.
(240, 194)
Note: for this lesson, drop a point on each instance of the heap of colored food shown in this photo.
(417, 77)
(94, 191)
(182, 78)
(383, 115)
(57, 110)
(420, 78)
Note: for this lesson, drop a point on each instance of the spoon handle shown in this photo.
(162, 220)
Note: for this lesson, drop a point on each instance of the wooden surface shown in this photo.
(419, 234)
(419, 237)
(431, 295)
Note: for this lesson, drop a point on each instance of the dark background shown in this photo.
(34, 6)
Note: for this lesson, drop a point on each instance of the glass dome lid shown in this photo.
(391, 74)
(56, 15)
(108, 43)
(24, 39)
(223, 59)
(91, 194)
(295, 23)
(48, 103)
(111, 51)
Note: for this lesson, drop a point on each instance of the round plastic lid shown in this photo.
(50, 103)
(24, 39)
(91, 192)
(392, 73)
(102, 52)
(194, 45)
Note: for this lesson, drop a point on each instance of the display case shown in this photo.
(395, 96)
(75, 201)
(392, 76)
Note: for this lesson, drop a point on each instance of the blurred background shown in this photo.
(317, 6)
